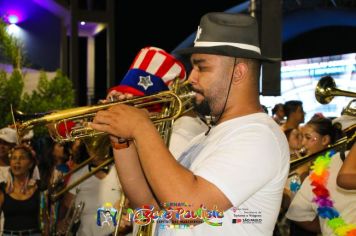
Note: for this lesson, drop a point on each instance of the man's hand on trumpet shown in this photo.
(122, 121)
(115, 95)
(112, 96)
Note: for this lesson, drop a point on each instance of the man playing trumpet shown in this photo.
(222, 168)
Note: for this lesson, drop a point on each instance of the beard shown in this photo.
(203, 108)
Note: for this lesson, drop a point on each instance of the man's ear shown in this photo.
(240, 72)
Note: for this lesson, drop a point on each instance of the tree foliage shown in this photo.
(50, 94)
(10, 47)
(11, 88)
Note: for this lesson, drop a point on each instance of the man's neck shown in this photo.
(242, 102)
(291, 124)
(231, 115)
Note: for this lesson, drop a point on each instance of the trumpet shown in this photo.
(70, 124)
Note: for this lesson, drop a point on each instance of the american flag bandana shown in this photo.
(152, 71)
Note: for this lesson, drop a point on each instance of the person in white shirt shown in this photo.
(347, 174)
(189, 124)
(96, 192)
(7, 141)
(305, 211)
(239, 167)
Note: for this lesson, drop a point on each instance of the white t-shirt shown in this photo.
(303, 209)
(184, 130)
(95, 193)
(247, 158)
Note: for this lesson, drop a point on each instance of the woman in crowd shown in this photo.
(53, 163)
(295, 138)
(347, 175)
(278, 113)
(52, 168)
(318, 134)
(20, 196)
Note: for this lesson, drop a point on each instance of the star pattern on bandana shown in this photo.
(145, 82)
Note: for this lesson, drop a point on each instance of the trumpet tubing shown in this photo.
(56, 195)
(350, 109)
(120, 212)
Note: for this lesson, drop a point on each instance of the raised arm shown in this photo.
(169, 181)
(132, 178)
(347, 174)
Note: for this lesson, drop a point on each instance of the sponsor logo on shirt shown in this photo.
(246, 216)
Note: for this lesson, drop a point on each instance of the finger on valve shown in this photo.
(118, 96)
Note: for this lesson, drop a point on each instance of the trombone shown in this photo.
(98, 146)
(342, 144)
(325, 91)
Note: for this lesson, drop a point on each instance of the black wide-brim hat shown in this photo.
(227, 34)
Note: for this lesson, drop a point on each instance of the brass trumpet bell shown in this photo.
(326, 90)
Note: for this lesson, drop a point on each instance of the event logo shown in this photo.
(106, 215)
(175, 214)
(244, 215)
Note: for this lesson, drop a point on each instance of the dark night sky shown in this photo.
(163, 24)
(166, 24)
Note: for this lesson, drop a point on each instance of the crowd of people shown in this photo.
(304, 206)
(237, 165)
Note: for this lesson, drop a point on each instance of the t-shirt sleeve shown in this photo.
(242, 163)
(302, 208)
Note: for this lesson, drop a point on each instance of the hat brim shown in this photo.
(226, 51)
